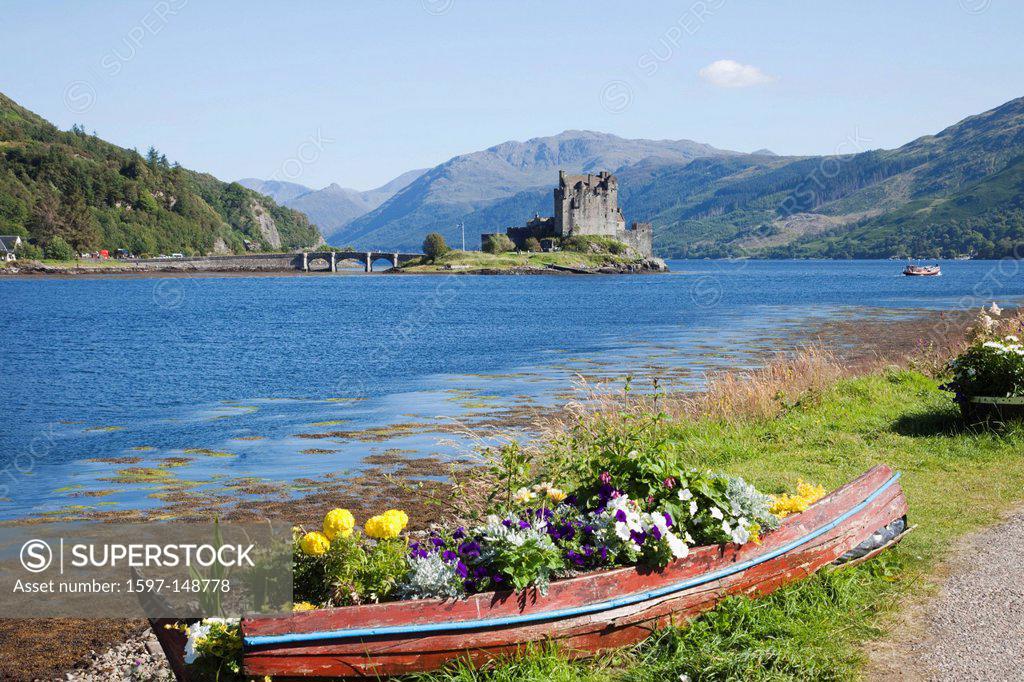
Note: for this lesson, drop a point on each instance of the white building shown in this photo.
(8, 243)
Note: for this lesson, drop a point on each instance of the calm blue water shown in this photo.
(151, 367)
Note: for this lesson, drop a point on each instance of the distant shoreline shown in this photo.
(270, 265)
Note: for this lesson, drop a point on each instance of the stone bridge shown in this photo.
(327, 261)
(313, 261)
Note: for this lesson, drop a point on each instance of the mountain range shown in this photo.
(334, 206)
(957, 192)
(94, 195)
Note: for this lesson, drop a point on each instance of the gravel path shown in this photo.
(974, 628)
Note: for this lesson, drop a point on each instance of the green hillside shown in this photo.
(954, 193)
(983, 220)
(96, 195)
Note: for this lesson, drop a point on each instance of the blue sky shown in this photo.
(357, 93)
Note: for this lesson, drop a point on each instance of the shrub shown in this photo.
(988, 368)
(29, 251)
(533, 245)
(498, 243)
(58, 249)
(434, 246)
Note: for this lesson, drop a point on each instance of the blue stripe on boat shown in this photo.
(262, 640)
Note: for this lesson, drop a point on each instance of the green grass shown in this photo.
(956, 480)
(478, 259)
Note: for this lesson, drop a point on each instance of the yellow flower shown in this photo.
(806, 494)
(556, 494)
(339, 522)
(398, 515)
(810, 492)
(315, 543)
(302, 606)
(387, 525)
(755, 533)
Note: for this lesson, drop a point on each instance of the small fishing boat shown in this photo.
(922, 271)
(583, 614)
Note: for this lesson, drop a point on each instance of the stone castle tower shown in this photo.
(585, 205)
(588, 205)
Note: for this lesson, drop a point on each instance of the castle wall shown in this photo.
(639, 237)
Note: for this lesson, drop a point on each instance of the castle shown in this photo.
(586, 205)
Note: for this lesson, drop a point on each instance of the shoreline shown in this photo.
(130, 272)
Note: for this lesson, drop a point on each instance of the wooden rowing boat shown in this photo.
(584, 614)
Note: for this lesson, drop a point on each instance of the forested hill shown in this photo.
(96, 195)
(959, 192)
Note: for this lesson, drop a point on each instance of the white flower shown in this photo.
(659, 522)
(693, 507)
(197, 632)
(685, 495)
(716, 513)
(622, 530)
(726, 528)
(524, 495)
(740, 534)
(995, 310)
(677, 546)
(1011, 337)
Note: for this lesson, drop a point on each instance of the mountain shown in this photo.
(948, 194)
(334, 206)
(331, 208)
(97, 195)
(505, 182)
(281, 192)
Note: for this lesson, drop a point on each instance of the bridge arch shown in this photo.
(355, 256)
(374, 258)
(318, 263)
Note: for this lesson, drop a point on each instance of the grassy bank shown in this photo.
(478, 260)
(956, 479)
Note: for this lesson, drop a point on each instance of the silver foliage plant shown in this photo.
(431, 577)
(747, 501)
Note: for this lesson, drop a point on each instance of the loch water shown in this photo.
(151, 368)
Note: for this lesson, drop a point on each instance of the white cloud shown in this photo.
(725, 73)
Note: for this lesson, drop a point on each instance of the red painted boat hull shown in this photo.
(578, 635)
